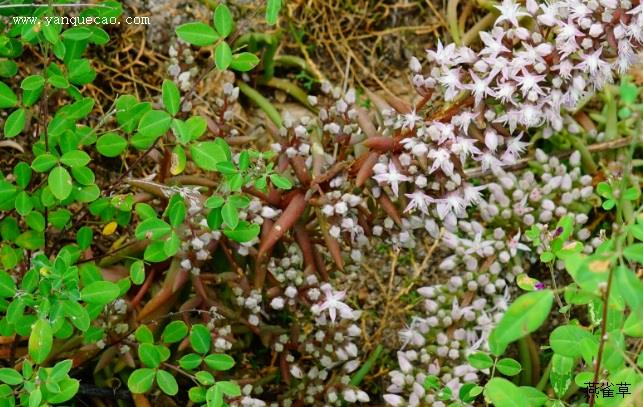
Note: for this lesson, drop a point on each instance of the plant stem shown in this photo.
(481, 25)
(601, 346)
(525, 361)
(543, 379)
(452, 19)
(263, 103)
(367, 366)
(589, 166)
(291, 89)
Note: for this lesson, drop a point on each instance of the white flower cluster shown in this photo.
(320, 356)
(522, 78)
(342, 212)
(485, 262)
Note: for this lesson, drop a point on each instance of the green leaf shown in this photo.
(10, 376)
(149, 355)
(130, 112)
(80, 72)
(244, 232)
(582, 378)
(229, 388)
(23, 203)
(219, 361)
(227, 168)
(532, 396)
(111, 144)
(137, 272)
(172, 244)
(239, 201)
(61, 369)
(174, 332)
(604, 189)
(40, 341)
(58, 81)
(68, 389)
(631, 194)
(590, 273)
(60, 183)
(23, 173)
(15, 123)
(154, 123)
(7, 97)
(215, 201)
(629, 286)
(223, 56)
(214, 397)
(33, 83)
(171, 97)
(508, 367)
(560, 375)
(35, 397)
(196, 126)
(469, 391)
(230, 215)
(223, 20)
(200, 338)
(155, 252)
(178, 160)
(75, 158)
(272, 11)
(524, 316)
(31, 240)
(8, 68)
(502, 393)
(77, 314)
(176, 210)
(44, 162)
(564, 340)
(77, 33)
(7, 285)
(143, 334)
(280, 181)
(100, 292)
(84, 237)
(59, 218)
(480, 360)
(244, 61)
(567, 225)
(637, 231)
(207, 154)
(141, 380)
(634, 252)
(190, 361)
(197, 394)
(633, 325)
(152, 228)
(205, 378)
(628, 92)
(197, 34)
(167, 383)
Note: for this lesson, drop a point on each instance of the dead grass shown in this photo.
(362, 42)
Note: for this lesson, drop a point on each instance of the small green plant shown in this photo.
(204, 35)
(583, 356)
(198, 365)
(58, 296)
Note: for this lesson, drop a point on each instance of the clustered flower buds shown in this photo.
(485, 263)
(322, 356)
(522, 78)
